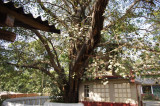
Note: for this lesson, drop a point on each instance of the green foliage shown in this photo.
(56, 95)
(1, 101)
(129, 41)
(148, 97)
(24, 81)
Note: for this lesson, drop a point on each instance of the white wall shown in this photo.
(120, 91)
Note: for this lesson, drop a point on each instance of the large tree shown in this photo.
(89, 29)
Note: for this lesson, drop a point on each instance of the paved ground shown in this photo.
(151, 103)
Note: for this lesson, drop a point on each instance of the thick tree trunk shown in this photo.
(72, 88)
(71, 91)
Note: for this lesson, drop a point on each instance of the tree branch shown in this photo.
(69, 12)
(57, 69)
(128, 11)
(69, 9)
(52, 14)
(55, 52)
(34, 67)
(129, 46)
(141, 48)
(97, 25)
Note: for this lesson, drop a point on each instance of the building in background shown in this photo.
(110, 89)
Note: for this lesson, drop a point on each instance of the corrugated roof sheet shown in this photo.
(20, 10)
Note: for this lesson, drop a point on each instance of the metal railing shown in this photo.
(151, 103)
(26, 101)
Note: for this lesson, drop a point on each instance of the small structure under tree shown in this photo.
(110, 90)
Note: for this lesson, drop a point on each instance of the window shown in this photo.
(156, 90)
(86, 90)
(152, 92)
(122, 92)
(101, 92)
(147, 89)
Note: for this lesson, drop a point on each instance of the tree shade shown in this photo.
(97, 36)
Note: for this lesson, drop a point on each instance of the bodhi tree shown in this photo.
(88, 28)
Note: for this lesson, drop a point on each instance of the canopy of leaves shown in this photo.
(24, 81)
(129, 39)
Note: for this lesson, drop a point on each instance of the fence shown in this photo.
(35, 101)
(26, 101)
(8, 96)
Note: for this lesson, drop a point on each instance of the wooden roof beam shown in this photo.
(6, 35)
(28, 21)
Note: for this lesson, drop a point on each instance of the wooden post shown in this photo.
(9, 20)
